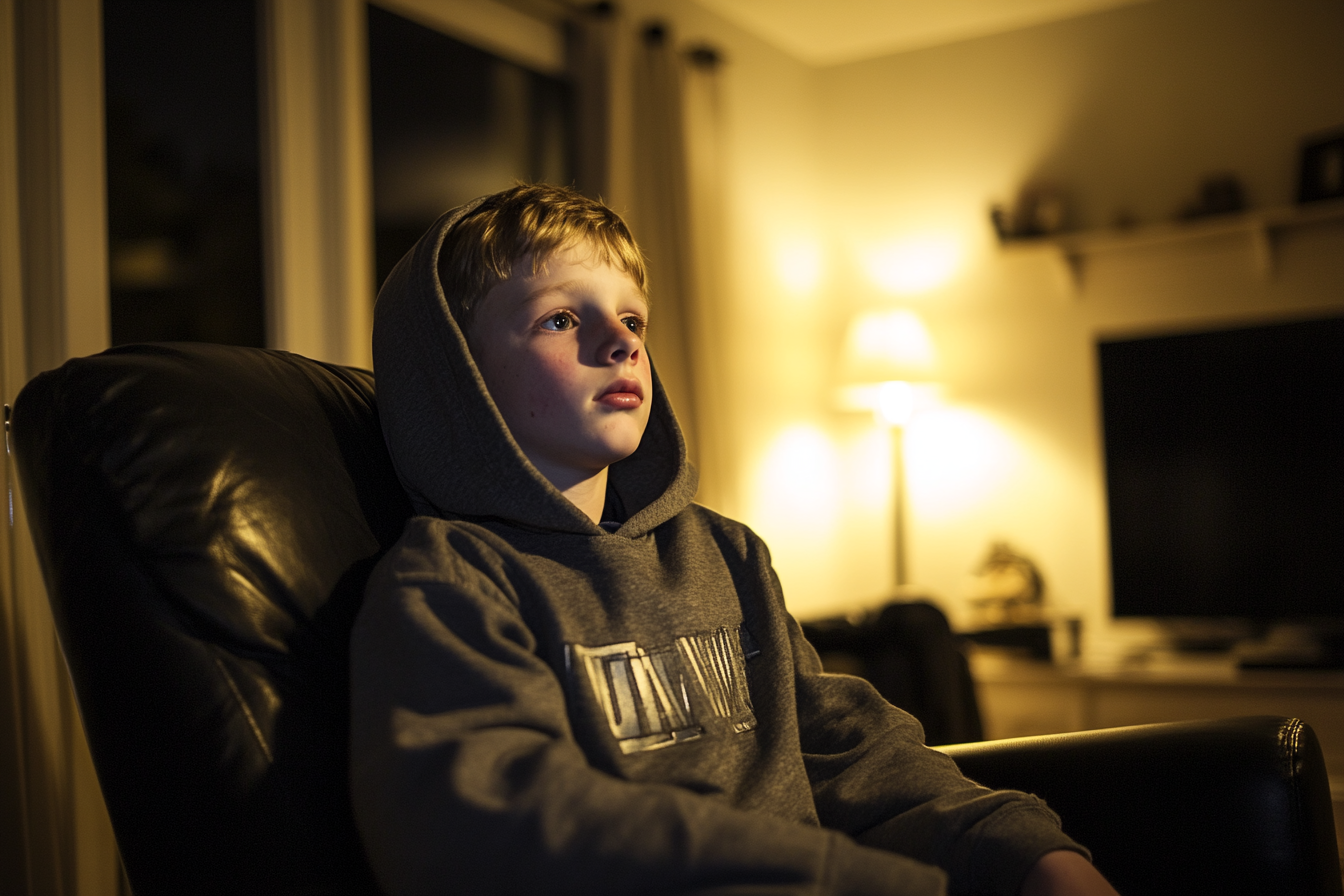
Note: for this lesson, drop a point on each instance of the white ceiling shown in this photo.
(828, 32)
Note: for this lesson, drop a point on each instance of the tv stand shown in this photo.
(1290, 662)
(1287, 646)
(1255, 643)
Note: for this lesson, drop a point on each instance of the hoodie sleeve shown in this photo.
(873, 778)
(466, 777)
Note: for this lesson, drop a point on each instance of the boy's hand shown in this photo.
(1063, 872)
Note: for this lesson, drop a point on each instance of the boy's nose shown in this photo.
(618, 343)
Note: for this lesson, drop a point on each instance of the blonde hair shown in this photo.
(528, 219)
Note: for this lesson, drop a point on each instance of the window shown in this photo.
(183, 171)
(451, 122)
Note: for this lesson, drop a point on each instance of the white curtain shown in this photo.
(55, 836)
(661, 217)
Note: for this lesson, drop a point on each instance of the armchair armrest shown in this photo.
(1226, 806)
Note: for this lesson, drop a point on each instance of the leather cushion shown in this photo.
(206, 517)
(1229, 806)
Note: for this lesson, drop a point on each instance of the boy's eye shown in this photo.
(635, 324)
(560, 320)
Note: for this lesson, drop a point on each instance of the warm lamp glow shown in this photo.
(866, 466)
(882, 346)
(883, 352)
(798, 264)
(957, 459)
(896, 402)
(913, 265)
(893, 403)
(799, 481)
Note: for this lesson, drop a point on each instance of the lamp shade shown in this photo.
(885, 346)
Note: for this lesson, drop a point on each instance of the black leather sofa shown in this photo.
(206, 517)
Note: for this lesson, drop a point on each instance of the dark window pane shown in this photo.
(450, 123)
(183, 171)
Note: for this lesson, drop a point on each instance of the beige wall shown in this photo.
(827, 168)
(772, 369)
(1128, 109)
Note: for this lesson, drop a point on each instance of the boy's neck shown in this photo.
(589, 495)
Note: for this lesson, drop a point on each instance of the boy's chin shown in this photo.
(595, 459)
(616, 448)
(619, 455)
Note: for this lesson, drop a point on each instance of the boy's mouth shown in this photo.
(623, 395)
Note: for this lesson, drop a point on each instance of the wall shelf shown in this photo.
(1262, 227)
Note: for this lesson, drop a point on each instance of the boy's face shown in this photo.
(562, 352)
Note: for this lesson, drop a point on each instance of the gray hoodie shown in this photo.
(541, 705)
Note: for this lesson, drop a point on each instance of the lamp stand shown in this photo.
(898, 500)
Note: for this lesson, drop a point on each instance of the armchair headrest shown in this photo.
(206, 517)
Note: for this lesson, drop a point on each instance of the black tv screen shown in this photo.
(1225, 471)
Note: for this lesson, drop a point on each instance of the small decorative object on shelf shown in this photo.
(1219, 194)
(1220, 211)
(1322, 174)
(1009, 589)
(1008, 606)
(1042, 209)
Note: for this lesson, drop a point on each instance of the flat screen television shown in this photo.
(1224, 457)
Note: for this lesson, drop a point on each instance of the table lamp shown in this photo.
(886, 367)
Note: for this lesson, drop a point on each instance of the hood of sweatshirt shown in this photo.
(451, 447)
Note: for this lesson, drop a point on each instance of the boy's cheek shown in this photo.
(551, 389)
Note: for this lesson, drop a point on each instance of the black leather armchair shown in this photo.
(206, 517)
(1223, 806)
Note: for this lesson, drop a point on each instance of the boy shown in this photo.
(569, 678)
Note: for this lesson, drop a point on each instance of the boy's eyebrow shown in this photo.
(569, 286)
